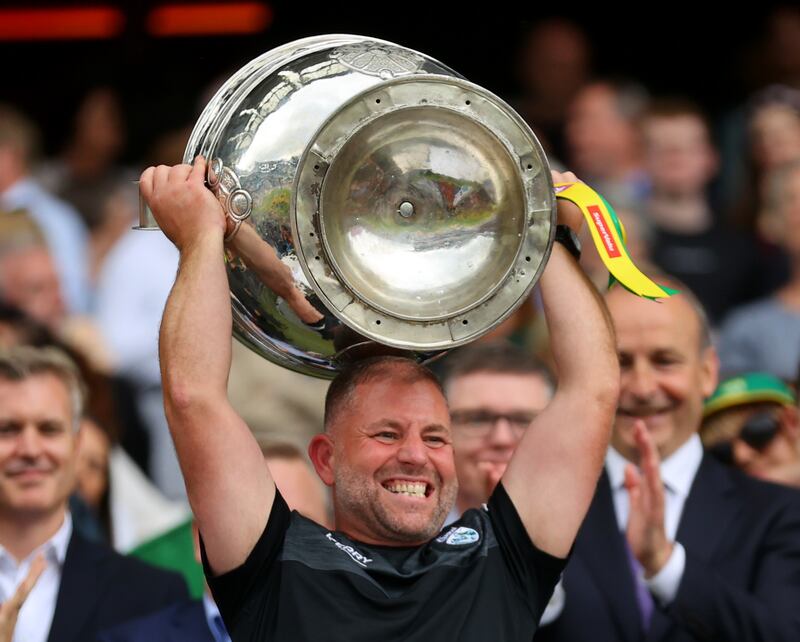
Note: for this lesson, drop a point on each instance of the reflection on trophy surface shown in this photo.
(376, 201)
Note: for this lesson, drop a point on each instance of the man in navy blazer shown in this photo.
(85, 587)
(100, 589)
(675, 546)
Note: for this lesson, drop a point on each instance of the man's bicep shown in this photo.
(227, 481)
(552, 476)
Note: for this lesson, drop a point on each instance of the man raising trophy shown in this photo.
(415, 213)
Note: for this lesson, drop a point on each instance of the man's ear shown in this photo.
(710, 371)
(320, 451)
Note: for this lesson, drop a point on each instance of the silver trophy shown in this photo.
(378, 201)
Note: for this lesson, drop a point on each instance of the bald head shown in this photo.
(685, 297)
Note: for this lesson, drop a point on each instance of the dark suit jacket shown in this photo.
(184, 622)
(100, 588)
(742, 576)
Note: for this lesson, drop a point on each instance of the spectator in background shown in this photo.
(29, 282)
(128, 508)
(603, 140)
(28, 278)
(494, 391)
(552, 66)
(775, 60)
(65, 234)
(86, 587)
(91, 472)
(765, 336)
(87, 169)
(120, 209)
(677, 547)
(133, 510)
(752, 421)
(720, 266)
(775, 141)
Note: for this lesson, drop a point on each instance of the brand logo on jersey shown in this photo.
(458, 536)
(358, 558)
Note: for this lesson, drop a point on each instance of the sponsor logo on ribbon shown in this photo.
(603, 231)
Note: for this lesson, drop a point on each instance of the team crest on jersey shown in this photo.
(459, 536)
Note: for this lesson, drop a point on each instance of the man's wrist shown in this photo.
(211, 236)
(567, 237)
(655, 562)
(664, 585)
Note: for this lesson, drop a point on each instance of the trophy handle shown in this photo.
(147, 222)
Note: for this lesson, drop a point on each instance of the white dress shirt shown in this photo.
(36, 615)
(677, 474)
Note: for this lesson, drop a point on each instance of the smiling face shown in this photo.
(38, 447)
(388, 457)
(491, 411)
(665, 373)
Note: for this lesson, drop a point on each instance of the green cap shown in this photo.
(751, 387)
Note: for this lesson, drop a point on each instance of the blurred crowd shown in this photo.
(714, 203)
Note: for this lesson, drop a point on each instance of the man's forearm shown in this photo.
(194, 343)
(226, 478)
(553, 474)
(581, 332)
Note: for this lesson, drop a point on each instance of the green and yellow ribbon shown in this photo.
(609, 238)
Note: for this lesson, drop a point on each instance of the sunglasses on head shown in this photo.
(757, 432)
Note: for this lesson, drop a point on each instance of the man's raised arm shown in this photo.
(228, 484)
(553, 474)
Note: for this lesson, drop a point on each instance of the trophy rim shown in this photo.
(480, 316)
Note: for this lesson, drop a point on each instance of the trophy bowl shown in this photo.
(380, 202)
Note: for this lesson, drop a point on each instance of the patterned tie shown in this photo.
(643, 597)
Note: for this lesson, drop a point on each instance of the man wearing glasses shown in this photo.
(487, 426)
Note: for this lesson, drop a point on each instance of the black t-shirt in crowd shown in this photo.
(480, 579)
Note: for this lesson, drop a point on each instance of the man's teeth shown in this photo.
(414, 489)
